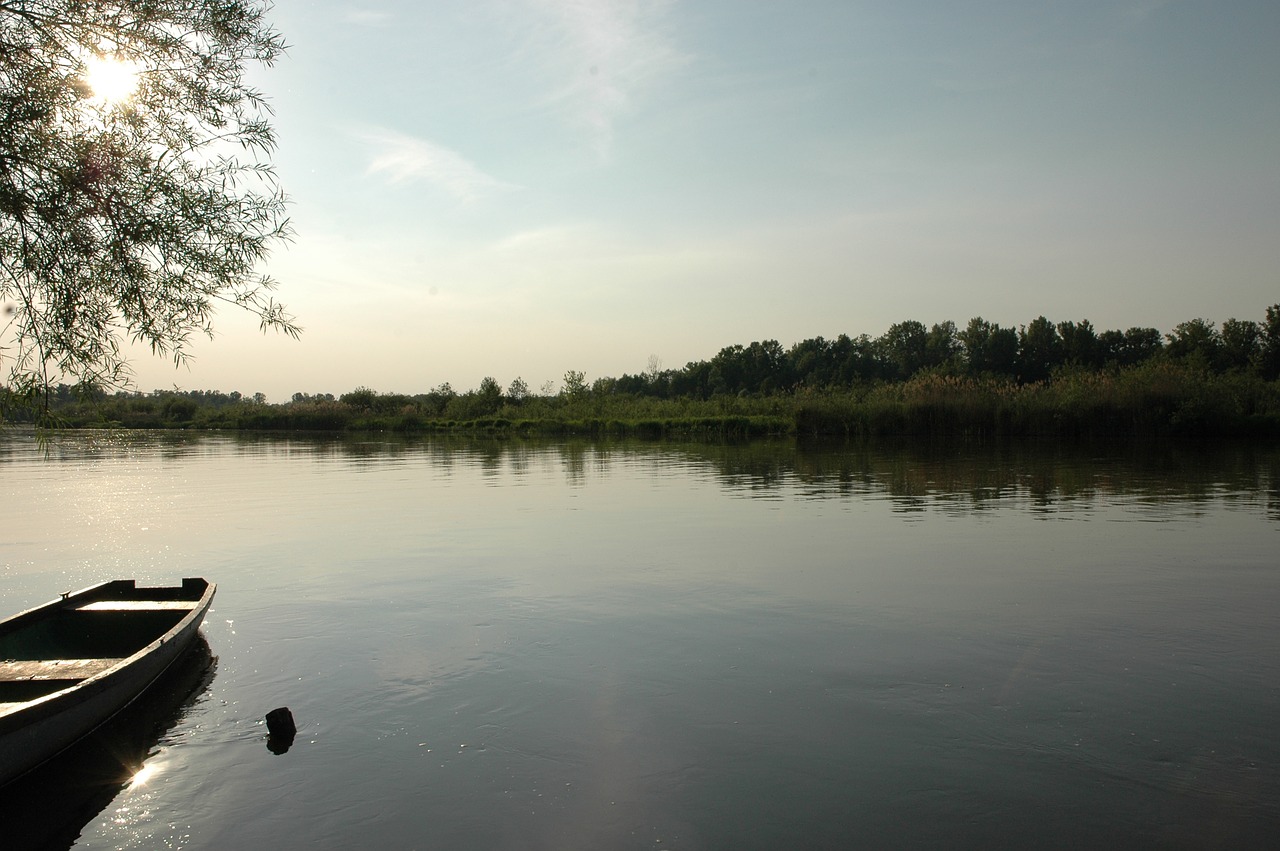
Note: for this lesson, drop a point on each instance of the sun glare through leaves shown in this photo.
(111, 79)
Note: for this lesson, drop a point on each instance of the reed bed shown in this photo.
(1156, 398)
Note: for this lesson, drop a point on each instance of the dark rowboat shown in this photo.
(69, 666)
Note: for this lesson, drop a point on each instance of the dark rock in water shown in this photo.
(278, 745)
(280, 730)
(280, 722)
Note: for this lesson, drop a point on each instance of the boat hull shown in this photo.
(35, 730)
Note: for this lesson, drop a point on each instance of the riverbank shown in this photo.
(1149, 400)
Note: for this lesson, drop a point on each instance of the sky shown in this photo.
(517, 188)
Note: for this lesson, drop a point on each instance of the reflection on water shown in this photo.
(143, 776)
(48, 808)
(971, 475)
(520, 644)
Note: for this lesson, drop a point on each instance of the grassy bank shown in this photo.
(1159, 398)
(1153, 399)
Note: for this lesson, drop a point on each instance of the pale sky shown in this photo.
(523, 187)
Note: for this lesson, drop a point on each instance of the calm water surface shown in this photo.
(513, 645)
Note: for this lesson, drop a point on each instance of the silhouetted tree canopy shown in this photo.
(130, 220)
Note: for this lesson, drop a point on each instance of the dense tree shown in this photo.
(1109, 346)
(1269, 354)
(988, 348)
(633, 385)
(1140, 344)
(767, 364)
(311, 398)
(728, 370)
(362, 398)
(1039, 350)
(1196, 340)
(491, 391)
(1125, 348)
(1241, 343)
(694, 381)
(178, 408)
(812, 362)
(130, 218)
(1080, 345)
(758, 368)
(436, 402)
(942, 346)
(857, 359)
(903, 348)
(661, 384)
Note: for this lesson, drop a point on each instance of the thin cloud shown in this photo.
(599, 55)
(406, 159)
(553, 239)
(367, 17)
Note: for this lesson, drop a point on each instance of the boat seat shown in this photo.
(139, 606)
(53, 669)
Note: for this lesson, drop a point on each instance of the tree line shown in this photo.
(1041, 377)
(1029, 353)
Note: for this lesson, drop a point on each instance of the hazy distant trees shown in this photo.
(362, 399)
(1039, 354)
(1030, 353)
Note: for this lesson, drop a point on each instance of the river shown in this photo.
(517, 644)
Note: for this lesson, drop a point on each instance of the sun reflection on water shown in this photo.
(144, 775)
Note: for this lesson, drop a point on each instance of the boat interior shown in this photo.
(50, 650)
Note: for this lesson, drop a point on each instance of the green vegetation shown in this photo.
(1063, 380)
(128, 215)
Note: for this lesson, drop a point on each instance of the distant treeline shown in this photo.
(1041, 378)
(1030, 353)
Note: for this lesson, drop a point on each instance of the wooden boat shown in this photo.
(69, 666)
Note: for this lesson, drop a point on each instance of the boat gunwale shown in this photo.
(21, 714)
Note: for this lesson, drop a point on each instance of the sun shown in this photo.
(112, 79)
